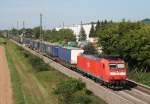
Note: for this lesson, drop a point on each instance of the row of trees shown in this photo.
(128, 40)
(64, 35)
(54, 36)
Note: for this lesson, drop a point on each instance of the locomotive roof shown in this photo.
(91, 56)
(101, 57)
(75, 48)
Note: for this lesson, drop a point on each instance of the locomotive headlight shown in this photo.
(122, 73)
(113, 73)
(117, 73)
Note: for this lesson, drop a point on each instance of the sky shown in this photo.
(55, 12)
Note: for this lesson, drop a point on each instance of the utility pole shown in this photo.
(23, 32)
(81, 23)
(63, 25)
(41, 34)
(23, 28)
(23, 25)
(17, 28)
(17, 24)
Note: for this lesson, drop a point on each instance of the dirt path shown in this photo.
(5, 81)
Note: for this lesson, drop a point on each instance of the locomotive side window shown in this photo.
(116, 66)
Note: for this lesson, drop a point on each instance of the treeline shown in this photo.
(127, 40)
(63, 35)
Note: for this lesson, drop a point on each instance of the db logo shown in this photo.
(88, 64)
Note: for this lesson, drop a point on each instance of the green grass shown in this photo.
(34, 93)
(141, 77)
(2, 40)
(31, 86)
(15, 79)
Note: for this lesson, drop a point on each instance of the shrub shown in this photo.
(66, 90)
(39, 64)
(81, 98)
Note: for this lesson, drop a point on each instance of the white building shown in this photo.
(76, 29)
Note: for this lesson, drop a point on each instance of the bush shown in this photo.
(88, 92)
(25, 53)
(66, 90)
(39, 64)
(81, 98)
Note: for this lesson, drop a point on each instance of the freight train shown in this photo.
(111, 72)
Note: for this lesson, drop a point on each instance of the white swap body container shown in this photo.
(69, 54)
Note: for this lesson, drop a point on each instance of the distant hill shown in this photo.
(147, 21)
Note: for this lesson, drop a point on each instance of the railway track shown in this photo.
(139, 86)
(135, 95)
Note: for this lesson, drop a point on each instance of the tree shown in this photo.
(28, 33)
(97, 25)
(62, 36)
(36, 32)
(82, 34)
(128, 40)
(89, 49)
(92, 31)
(67, 35)
(14, 32)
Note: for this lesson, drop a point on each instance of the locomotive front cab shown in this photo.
(117, 73)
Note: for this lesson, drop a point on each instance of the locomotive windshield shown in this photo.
(116, 66)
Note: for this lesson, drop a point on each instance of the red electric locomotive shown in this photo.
(108, 71)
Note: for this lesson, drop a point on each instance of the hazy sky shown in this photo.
(55, 12)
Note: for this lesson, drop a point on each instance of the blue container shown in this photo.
(50, 50)
(60, 51)
(47, 49)
(36, 45)
(31, 43)
(26, 41)
(54, 51)
(64, 54)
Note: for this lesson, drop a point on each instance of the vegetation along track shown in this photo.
(132, 96)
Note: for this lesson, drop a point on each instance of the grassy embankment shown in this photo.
(143, 78)
(31, 86)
